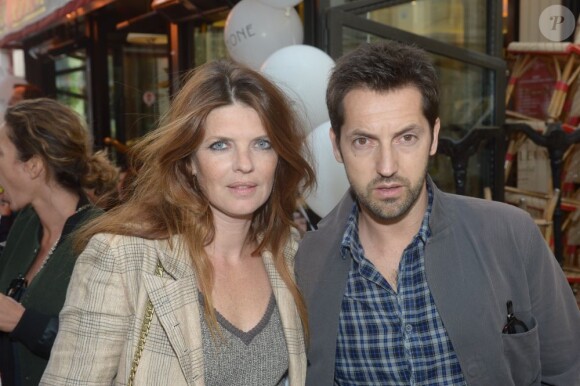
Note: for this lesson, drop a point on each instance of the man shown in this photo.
(407, 285)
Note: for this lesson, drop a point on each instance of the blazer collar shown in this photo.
(289, 317)
(441, 213)
(175, 300)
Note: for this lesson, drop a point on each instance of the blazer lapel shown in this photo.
(322, 273)
(175, 301)
(456, 283)
(290, 322)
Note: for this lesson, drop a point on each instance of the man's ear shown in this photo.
(34, 167)
(435, 141)
(335, 146)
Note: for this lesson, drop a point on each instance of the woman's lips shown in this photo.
(242, 188)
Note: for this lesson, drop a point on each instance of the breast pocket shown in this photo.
(522, 355)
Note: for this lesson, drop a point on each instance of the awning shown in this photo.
(23, 18)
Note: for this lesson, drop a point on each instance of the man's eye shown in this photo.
(408, 138)
(219, 145)
(361, 141)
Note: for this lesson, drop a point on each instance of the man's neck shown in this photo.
(385, 241)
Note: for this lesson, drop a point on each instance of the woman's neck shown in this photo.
(230, 242)
(54, 205)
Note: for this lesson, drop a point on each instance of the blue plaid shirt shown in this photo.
(387, 337)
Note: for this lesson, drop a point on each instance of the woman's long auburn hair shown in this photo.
(165, 200)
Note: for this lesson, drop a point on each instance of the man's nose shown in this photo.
(387, 163)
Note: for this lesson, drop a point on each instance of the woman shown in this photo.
(206, 239)
(46, 161)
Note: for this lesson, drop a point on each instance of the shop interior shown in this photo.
(510, 108)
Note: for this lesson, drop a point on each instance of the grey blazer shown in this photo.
(480, 254)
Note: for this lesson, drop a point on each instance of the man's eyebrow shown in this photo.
(410, 127)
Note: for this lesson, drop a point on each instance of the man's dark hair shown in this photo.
(382, 67)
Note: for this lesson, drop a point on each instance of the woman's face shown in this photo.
(15, 176)
(235, 163)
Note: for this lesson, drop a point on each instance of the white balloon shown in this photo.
(302, 72)
(330, 174)
(254, 31)
(281, 3)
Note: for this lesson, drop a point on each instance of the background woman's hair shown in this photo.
(165, 200)
(58, 135)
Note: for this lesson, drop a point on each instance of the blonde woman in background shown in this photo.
(206, 240)
(46, 162)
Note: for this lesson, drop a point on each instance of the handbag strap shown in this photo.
(144, 331)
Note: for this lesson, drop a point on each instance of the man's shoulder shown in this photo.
(329, 230)
(332, 225)
(468, 209)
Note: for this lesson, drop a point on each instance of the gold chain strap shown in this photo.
(144, 332)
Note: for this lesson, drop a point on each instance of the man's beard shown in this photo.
(390, 208)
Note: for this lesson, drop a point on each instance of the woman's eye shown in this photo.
(263, 144)
(219, 145)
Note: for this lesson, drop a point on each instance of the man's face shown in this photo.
(385, 145)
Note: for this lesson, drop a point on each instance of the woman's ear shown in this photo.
(34, 167)
(193, 166)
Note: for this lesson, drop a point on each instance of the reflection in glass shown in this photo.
(145, 86)
(456, 22)
(71, 82)
(477, 173)
(466, 97)
(209, 42)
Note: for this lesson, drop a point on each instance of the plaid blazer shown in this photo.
(105, 305)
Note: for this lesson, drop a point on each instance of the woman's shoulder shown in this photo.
(123, 244)
(24, 216)
(292, 246)
(124, 252)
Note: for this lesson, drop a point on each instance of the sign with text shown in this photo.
(15, 15)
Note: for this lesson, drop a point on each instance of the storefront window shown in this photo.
(146, 88)
(140, 78)
(209, 42)
(71, 81)
(456, 22)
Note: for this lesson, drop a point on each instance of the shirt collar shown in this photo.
(350, 239)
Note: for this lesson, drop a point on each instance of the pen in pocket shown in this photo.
(513, 324)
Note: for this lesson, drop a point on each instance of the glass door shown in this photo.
(463, 40)
(71, 81)
(140, 85)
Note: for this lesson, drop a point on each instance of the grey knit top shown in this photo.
(258, 357)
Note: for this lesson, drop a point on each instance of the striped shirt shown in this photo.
(387, 337)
